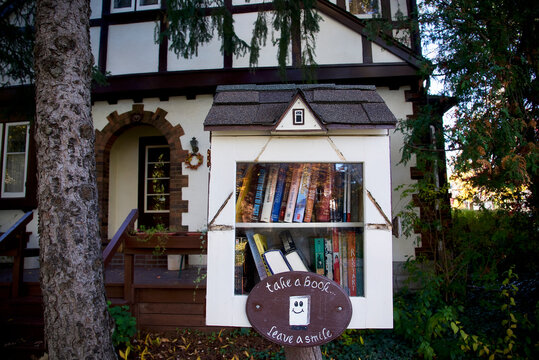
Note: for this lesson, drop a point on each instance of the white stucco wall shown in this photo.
(381, 55)
(132, 49)
(95, 33)
(403, 247)
(346, 48)
(243, 25)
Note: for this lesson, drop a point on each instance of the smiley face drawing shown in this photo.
(299, 312)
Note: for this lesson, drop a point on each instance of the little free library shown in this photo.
(299, 207)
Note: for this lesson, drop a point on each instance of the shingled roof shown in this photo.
(261, 106)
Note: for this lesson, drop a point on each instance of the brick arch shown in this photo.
(119, 123)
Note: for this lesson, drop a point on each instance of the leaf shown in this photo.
(454, 327)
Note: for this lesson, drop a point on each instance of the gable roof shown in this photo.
(248, 107)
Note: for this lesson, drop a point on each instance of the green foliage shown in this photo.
(188, 24)
(124, 325)
(16, 42)
(487, 58)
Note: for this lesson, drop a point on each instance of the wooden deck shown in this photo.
(161, 300)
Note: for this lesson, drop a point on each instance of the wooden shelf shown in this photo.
(299, 225)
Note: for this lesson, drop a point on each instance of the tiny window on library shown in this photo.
(300, 217)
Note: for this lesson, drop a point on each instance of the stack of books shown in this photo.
(338, 257)
(297, 192)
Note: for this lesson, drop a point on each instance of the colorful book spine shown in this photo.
(318, 258)
(257, 249)
(311, 196)
(328, 251)
(293, 193)
(351, 247)
(359, 265)
(303, 192)
(323, 206)
(279, 192)
(336, 257)
(286, 191)
(344, 262)
(269, 195)
(259, 195)
(243, 192)
(239, 265)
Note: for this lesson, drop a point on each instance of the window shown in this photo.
(118, 6)
(15, 160)
(298, 117)
(157, 179)
(364, 7)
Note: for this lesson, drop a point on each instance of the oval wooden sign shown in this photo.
(298, 308)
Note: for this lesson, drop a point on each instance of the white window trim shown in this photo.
(148, 7)
(146, 163)
(114, 10)
(4, 162)
(135, 6)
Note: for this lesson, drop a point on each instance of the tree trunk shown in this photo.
(303, 353)
(77, 324)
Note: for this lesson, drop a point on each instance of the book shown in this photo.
(286, 191)
(293, 193)
(343, 251)
(239, 265)
(359, 265)
(336, 257)
(259, 194)
(351, 258)
(356, 193)
(328, 251)
(311, 195)
(269, 193)
(276, 261)
(247, 205)
(337, 194)
(241, 169)
(293, 255)
(295, 260)
(301, 201)
(323, 204)
(257, 246)
(242, 193)
(279, 192)
(318, 256)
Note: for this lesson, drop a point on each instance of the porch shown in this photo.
(160, 299)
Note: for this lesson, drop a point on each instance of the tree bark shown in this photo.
(77, 323)
(303, 353)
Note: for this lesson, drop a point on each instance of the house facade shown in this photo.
(154, 106)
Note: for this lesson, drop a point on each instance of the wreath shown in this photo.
(190, 157)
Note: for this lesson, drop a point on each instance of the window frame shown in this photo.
(12, 195)
(146, 179)
(135, 6)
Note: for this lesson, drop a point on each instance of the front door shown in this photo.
(154, 182)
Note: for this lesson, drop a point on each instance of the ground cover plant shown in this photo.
(484, 306)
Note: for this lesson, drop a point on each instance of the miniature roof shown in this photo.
(261, 106)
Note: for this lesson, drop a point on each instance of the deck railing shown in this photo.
(170, 243)
(13, 243)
